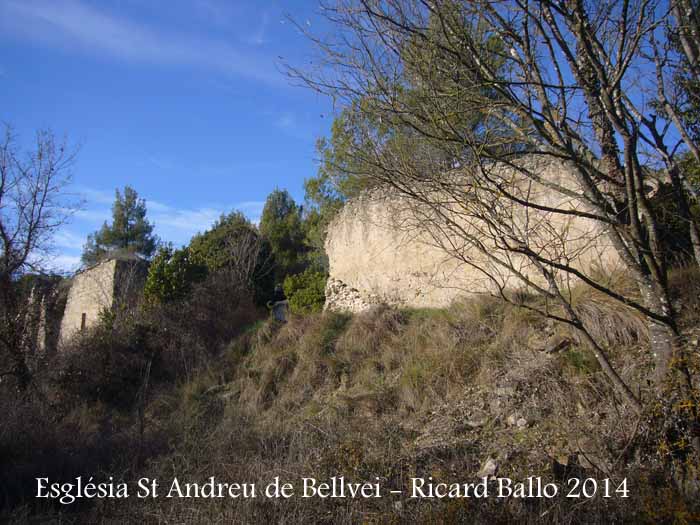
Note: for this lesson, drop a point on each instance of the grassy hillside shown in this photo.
(388, 394)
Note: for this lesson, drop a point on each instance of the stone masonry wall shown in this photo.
(98, 288)
(381, 249)
(44, 311)
(91, 292)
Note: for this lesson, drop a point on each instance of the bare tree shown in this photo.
(251, 260)
(673, 51)
(32, 208)
(569, 82)
(678, 53)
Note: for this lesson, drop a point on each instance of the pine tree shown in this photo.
(281, 224)
(129, 234)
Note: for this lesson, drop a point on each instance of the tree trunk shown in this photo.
(611, 373)
(663, 337)
(695, 239)
(663, 342)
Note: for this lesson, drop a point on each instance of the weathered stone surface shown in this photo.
(504, 391)
(342, 298)
(45, 306)
(488, 469)
(381, 248)
(100, 287)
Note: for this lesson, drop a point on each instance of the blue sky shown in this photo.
(181, 99)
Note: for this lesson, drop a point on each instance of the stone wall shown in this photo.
(383, 248)
(45, 306)
(98, 288)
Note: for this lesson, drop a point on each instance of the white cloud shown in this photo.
(213, 11)
(172, 224)
(73, 23)
(55, 262)
(94, 215)
(91, 195)
(155, 206)
(258, 38)
(251, 209)
(250, 206)
(64, 263)
(70, 240)
(179, 225)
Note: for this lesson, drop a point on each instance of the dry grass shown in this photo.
(386, 360)
(392, 394)
(328, 395)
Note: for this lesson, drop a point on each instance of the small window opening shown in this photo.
(82, 321)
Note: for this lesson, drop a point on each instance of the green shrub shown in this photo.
(306, 291)
(234, 248)
(172, 274)
(281, 225)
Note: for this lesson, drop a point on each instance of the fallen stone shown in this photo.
(477, 422)
(557, 344)
(488, 469)
(504, 391)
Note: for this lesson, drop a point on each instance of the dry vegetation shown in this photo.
(389, 394)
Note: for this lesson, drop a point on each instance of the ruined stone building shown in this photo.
(104, 286)
(45, 305)
(381, 249)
